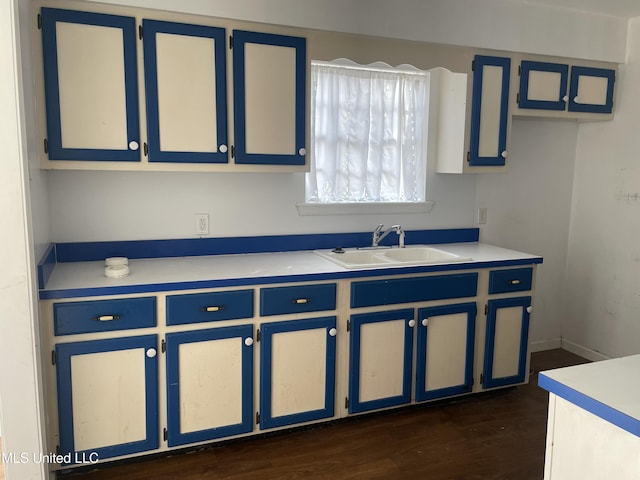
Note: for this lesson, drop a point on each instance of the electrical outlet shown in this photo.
(482, 216)
(202, 224)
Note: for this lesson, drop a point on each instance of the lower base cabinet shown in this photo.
(107, 397)
(380, 359)
(209, 384)
(407, 339)
(445, 350)
(506, 342)
(297, 371)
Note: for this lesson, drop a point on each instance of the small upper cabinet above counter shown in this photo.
(91, 86)
(562, 90)
(185, 76)
(483, 122)
(177, 102)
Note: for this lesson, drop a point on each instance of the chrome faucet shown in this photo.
(377, 236)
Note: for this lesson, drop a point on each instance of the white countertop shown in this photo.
(85, 276)
(608, 389)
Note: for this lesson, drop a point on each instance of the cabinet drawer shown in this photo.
(298, 299)
(414, 289)
(104, 315)
(209, 307)
(512, 280)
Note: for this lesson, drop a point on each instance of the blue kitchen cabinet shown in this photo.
(269, 97)
(445, 350)
(591, 89)
(506, 341)
(107, 397)
(489, 111)
(209, 384)
(91, 86)
(380, 359)
(561, 87)
(297, 371)
(186, 95)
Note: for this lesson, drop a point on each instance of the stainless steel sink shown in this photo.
(412, 255)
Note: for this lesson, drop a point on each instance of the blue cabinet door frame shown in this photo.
(50, 18)
(268, 331)
(357, 321)
(422, 393)
(480, 62)
(150, 29)
(175, 436)
(489, 381)
(240, 39)
(64, 352)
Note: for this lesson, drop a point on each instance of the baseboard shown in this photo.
(569, 346)
(584, 352)
(542, 345)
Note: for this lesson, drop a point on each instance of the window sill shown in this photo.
(363, 208)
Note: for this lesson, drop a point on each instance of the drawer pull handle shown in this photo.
(213, 308)
(301, 301)
(514, 282)
(107, 318)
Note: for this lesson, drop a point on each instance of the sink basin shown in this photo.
(356, 258)
(414, 255)
(422, 255)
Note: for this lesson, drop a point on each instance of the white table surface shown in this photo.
(609, 389)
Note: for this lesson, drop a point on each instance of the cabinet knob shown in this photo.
(412, 323)
(302, 152)
(425, 322)
(223, 148)
(504, 154)
(133, 145)
(248, 341)
(333, 332)
(529, 309)
(575, 100)
(151, 352)
(565, 98)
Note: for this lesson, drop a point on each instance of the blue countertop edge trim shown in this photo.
(599, 409)
(234, 282)
(95, 251)
(46, 266)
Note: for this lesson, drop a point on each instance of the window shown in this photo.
(368, 133)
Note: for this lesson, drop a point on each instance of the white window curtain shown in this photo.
(368, 133)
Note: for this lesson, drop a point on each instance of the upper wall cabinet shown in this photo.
(91, 89)
(489, 111)
(186, 96)
(473, 119)
(269, 83)
(95, 120)
(559, 87)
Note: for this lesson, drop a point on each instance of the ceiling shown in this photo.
(616, 8)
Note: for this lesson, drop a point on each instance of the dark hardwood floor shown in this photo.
(495, 435)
